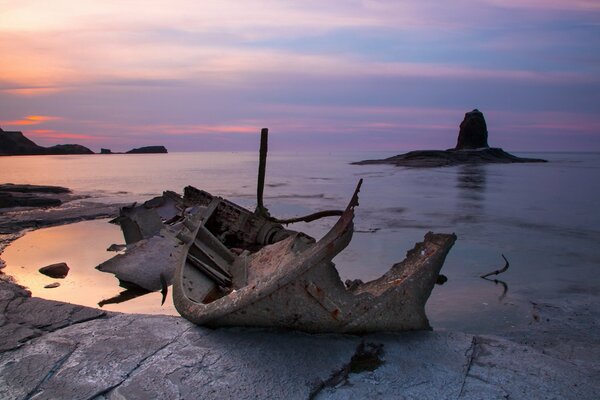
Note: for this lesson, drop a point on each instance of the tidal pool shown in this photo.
(82, 245)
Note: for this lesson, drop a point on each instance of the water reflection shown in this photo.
(82, 246)
(471, 187)
(496, 281)
(131, 292)
(501, 283)
(471, 182)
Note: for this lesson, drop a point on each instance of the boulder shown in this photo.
(57, 271)
(473, 132)
(52, 285)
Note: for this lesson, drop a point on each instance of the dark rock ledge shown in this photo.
(12, 195)
(471, 148)
(446, 158)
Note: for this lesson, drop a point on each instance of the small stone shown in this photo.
(57, 271)
(116, 247)
(52, 285)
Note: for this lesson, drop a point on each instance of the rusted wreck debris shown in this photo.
(233, 267)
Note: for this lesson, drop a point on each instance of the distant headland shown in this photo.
(14, 143)
(471, 148)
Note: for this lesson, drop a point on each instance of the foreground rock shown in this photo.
(57, 271)
(57, 350)
(471, 148)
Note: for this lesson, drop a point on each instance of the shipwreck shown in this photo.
(230, 266)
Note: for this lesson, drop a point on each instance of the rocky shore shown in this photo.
(52, 350)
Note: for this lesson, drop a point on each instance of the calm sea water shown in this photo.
(543, 217)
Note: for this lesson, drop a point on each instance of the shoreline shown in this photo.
(47, 344)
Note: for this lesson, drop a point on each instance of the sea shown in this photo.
(543, 217)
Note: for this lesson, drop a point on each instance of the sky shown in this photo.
(321, 75)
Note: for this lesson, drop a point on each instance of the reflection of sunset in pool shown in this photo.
(82, 246)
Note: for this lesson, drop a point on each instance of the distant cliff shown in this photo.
(147, 150)
(16, 144)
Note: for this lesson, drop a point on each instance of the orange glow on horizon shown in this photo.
(50, 133)
(31, 120)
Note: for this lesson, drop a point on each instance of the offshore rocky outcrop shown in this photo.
(471, 148)
(148, 150)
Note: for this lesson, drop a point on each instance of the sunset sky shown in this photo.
(327, 75)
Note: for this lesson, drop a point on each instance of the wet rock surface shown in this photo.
(58, 350)
(16, 220)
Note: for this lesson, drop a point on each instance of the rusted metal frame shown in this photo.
(325, 301)
(262, 166)
(261, 210)
(330, 245)
(222, 278)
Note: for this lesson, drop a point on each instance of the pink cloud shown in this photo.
(197, 129)
(562, 5)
